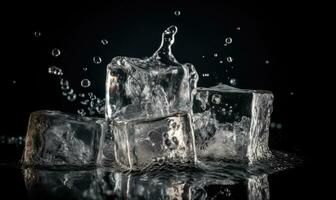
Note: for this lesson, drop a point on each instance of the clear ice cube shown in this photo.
(138, 143)
(58, 139)
(231, 123)
(149, 88)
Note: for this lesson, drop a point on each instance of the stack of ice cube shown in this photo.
(155, 113)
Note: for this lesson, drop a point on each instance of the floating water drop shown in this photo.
(228, 40)
(273, 124)
(229, 59)
(37, 34)
(81, 112)
(55, 70)
(215, 55)
(233, 82)
(64, 82)
(72, 97)
(55, 52)
(177, 13)
(85, 83)
(267, 62)
(104, 41)
(97, 60)
(216, 99)
(279, 126)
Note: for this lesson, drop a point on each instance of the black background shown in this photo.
(269, 31)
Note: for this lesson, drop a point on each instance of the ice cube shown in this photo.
(139, 143)
(231, 123)
(150, 88)
(106, 155)
(58, 139)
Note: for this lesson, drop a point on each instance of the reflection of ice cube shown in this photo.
(148, 88)
(55, 138)
(140, 143)
(100, 184)
(232, 123)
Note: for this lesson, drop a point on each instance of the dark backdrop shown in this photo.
(268, 31)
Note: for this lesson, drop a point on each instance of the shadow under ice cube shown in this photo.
(139, 144)
(59, 139)
(232, 123)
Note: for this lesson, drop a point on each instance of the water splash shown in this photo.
(55, 71)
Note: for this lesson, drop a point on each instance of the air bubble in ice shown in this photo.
(233, 82)
(97, 60)
(55, 52)
(229, 59)
(104, 41)
(177, 13)
(85, 83)
(55, 70)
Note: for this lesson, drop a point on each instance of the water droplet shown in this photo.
(64, 82)
(273, 124)
(72, 97)
(267, 62)
(216, 99)
(97, 60)
(215, 55)
(279, 126)
(37, 34)
(85, 83)
(55, 52)
(85, 69)
(233, 82)
(55, 70)
(228, 40)
(81, 112)
(221, 62)
(229, 59)
(177, 13)
(85, 102)
(104, 41)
